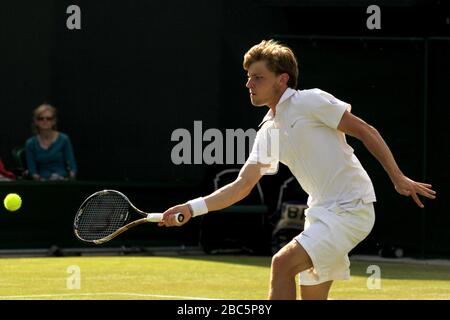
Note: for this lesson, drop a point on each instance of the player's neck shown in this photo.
(276, 99)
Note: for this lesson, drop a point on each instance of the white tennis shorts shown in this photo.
(329, 235)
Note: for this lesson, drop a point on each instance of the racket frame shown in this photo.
(148, 217)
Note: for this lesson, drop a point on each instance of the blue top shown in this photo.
(58, 158)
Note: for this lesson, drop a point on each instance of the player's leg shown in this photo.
(286, 264)
(316, 292)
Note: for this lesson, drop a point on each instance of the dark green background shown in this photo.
(137, 70)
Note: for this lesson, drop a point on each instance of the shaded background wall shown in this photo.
(138, 70)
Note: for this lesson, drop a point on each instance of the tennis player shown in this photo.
(308, 127)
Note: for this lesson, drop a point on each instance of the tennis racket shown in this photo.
(106, 214)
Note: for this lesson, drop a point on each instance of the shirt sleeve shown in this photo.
(328, 109)
(265, 149)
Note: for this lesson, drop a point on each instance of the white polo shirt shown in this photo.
(311, 146)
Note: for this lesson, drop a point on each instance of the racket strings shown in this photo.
(102, 215)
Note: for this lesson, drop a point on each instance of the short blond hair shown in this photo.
(279, 59)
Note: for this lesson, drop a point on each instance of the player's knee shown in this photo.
(291, 260)
(282, 264)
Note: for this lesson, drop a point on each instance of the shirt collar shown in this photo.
(286, 95)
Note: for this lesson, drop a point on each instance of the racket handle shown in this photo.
(156, 217)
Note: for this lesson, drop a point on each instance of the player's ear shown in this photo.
(284, 78)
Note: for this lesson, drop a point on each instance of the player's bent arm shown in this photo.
(373, 141)
(219, 199)
(238, 189)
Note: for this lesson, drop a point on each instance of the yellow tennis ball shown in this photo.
(12, 202)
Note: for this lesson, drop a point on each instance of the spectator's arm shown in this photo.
(70, 158)
(31, 161)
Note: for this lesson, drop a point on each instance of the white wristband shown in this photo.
(198, 206)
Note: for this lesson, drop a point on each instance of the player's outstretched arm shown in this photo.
(373, 141)
(223, 197)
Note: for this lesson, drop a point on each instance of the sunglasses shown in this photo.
(45, 118)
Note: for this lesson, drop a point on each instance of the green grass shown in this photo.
(216, 277)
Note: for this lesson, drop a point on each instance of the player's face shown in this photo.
(263, 84)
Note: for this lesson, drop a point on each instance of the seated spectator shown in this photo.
(49, 153)
(6, 175)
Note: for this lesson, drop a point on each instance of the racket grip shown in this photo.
(156, 217)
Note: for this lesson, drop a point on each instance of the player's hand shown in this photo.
(168, 219)
(408, 187)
